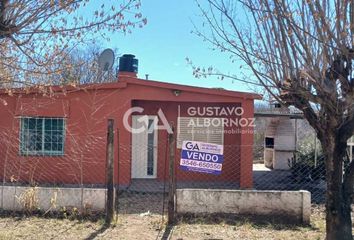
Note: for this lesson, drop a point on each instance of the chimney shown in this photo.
(128, 66)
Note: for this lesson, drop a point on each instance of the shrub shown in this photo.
(304, 169)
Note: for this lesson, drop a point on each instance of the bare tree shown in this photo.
(81, 67)
(302, 53)
(37, 36)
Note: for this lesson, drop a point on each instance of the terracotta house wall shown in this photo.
(84, 150)
(231, 166)
(86, 113)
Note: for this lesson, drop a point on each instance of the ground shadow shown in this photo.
(99, 231)
(93, 216)
(278, 223)
(129, 202)
(63, 232)
(283, 180)
(167, 232)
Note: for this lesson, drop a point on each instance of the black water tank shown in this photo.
(128, 63)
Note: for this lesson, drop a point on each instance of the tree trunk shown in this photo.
(338, 199)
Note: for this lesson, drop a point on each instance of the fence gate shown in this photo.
(143, 181)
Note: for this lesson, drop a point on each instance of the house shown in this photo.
(280, 143)
(280, 136)
(61, 139)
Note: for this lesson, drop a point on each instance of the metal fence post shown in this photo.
(109, 173)
(296, 138)
(315, 149)
(171, 187)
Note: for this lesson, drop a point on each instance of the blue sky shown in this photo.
(164, 43)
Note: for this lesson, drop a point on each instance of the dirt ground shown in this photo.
(127, 227)
(149, 226)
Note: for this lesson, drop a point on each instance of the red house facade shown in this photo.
(61, 139)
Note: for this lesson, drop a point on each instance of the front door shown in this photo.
(144, 147)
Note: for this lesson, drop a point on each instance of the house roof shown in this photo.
(125, 80)
(173, 86)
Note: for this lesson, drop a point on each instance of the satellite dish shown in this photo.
(106, 59)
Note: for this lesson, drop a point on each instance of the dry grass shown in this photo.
(249, 229)
(148, 226)
(127, 227)
(29, 199)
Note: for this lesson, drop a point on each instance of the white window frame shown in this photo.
(208, 130)
(25, 152)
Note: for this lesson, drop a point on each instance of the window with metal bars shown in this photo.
(42, 136)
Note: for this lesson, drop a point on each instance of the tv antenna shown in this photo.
(106, 60)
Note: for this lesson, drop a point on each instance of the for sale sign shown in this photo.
(202, 157)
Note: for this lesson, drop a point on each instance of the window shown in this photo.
(210, 130)
(42, 136)
(150, 151)
(269, 142)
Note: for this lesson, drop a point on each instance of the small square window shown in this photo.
(42, 136)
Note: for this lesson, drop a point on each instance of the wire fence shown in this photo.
(303, 134)
(300, 165)
(236, 174)
(83, 163)
(142, 171)
(143, 179)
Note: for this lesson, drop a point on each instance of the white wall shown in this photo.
(281, 160)
(293, 206)
(53, 198)
(285, 135)
(268, 157)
